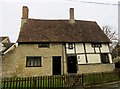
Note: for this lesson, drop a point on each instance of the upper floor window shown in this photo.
(70, 45)
(33, 61)
(43, 45)
(96, 45)
(104, 58)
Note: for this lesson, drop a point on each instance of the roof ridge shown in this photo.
(59, 20)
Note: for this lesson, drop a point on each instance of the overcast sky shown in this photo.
(104, 12)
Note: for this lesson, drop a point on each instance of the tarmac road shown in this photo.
(108, 86)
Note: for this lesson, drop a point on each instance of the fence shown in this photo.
(60, 81)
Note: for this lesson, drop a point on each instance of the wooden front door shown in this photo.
(56, 66)
(71, 64)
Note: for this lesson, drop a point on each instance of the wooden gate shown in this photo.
(73, 80)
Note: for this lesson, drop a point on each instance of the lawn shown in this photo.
(100, 78)
(46, 81)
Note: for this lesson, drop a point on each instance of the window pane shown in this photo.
(36, 62)
(70, 45)
(96, 45)
(32, 62)
(39, 62)
(28, 63)
(104, 58)
(43, 45)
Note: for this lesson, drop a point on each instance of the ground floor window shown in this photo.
(104, 58)
(33, 61)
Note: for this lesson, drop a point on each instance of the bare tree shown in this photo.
(110, 33)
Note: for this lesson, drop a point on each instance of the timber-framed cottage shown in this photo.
(56, 47)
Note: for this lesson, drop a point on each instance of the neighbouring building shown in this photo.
(56, 47)
(116, 56)
(5, 45)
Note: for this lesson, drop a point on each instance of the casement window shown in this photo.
(104, 58)
(33, 61)
(96, 45)
(70, 45)
(42, 45)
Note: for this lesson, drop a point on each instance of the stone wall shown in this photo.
(88, 68)
(14, 63)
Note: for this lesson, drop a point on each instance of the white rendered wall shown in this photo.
(97, 50)
(93, 54)
(93, 58)
(81, 59)
(89, 48)
(104, 48)
(110, 58)
(79, 48)
(70, 51)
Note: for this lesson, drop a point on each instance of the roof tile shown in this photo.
(36, 30)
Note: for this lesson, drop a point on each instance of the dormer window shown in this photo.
(42, 45)
(94, 45)
(70, 45)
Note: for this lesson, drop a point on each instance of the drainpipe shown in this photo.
(63, 56)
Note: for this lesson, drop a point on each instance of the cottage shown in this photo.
(56, 47)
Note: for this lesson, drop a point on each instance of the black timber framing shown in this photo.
(85, 53)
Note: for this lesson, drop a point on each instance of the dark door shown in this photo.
(72, 64)
(56, 67)
(117, 65)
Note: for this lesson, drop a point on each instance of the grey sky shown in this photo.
(11, 12)
(119, 22)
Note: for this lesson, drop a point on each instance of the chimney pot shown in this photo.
(25, 12)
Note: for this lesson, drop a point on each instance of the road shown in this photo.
(109, 86)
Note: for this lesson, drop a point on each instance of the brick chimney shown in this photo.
(25, 13)
(72, 20)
